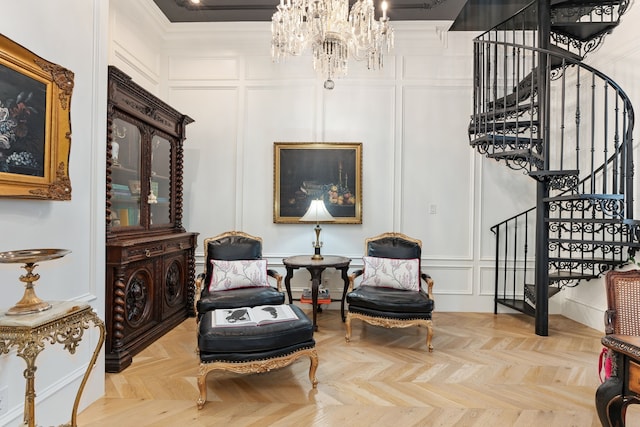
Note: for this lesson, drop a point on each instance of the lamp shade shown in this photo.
(317, 212)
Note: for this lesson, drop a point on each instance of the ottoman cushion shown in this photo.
(253, 342)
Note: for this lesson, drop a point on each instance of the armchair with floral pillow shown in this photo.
(393, 291)
(235, 274)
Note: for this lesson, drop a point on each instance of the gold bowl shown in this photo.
(30, 303)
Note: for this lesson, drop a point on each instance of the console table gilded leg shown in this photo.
(64, 324)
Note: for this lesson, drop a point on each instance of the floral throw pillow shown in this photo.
(391, 273)
(238, 274)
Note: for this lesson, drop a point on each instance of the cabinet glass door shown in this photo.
(125, 174)
(160, 181)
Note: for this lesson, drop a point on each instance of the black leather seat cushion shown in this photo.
(241, 297)
(388, 302)
(247, 343)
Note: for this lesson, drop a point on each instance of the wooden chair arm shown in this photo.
(277, 276)
(352, 278)
(429, 281)
(609, 318)
(199, 283)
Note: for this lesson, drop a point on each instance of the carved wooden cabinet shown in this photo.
(149, 255)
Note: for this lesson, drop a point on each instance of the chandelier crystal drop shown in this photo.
(333, 33)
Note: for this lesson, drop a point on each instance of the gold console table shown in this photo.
(64, 323)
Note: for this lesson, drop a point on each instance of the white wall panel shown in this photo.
(72, 34)
(437, 171)
(134, 43)
(503, 194)
(203, 68)
(210, 157)
(272, 114)
(435, 66)
(261, 67)
(358, 112)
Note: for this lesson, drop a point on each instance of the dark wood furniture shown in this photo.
(150, 264)
(623, 387)
(316, 267)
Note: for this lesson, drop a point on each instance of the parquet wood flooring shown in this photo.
(485, 370)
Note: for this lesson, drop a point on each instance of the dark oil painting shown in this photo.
(328, 171)
(22, 123)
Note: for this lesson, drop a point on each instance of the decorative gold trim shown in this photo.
(390, 234)
(353, 182)
(224, 235)
(68, 330)
(255, 367)
(59, 189)
(51, 180)
(390, 323)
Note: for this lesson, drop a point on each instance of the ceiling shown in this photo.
(468, 15)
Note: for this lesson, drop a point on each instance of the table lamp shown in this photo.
(317, 212)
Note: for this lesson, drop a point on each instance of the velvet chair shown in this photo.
(240, 279)
(393, 292)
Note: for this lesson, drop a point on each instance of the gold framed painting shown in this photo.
(330, 171)
(35, 125)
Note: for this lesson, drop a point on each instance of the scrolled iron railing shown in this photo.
(581, 148)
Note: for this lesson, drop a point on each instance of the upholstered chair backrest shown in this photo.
(394, 245)
(623, 303)
(231, 247)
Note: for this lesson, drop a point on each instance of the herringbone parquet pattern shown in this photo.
(485, 370)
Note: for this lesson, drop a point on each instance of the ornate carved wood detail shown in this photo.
(387, 322)
(192, 285)
(255, 367)
(173, 283)
(118, 309)
(62, 77)
(137, 299)
(59, 189)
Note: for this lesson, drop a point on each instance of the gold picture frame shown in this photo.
(35, 125)
(331, 171)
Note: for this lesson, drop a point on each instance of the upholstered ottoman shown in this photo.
(254, 349)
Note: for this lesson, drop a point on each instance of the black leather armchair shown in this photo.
(386, 300)
(234, 246)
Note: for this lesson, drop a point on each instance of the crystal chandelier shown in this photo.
(334, 33)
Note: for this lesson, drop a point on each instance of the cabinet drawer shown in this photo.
(634, 377)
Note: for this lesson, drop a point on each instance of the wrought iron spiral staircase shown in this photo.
(540, 109)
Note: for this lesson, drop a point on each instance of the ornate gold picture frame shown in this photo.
(307, 171)
(35, 125)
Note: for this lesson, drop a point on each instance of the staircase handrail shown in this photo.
(627, 138)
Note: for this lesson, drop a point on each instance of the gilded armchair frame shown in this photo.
(199, 283)
(255, 367)
(390, 322)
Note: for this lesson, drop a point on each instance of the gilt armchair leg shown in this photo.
(313, 366)
(347, 325)
(202, 387)
(430, 336)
